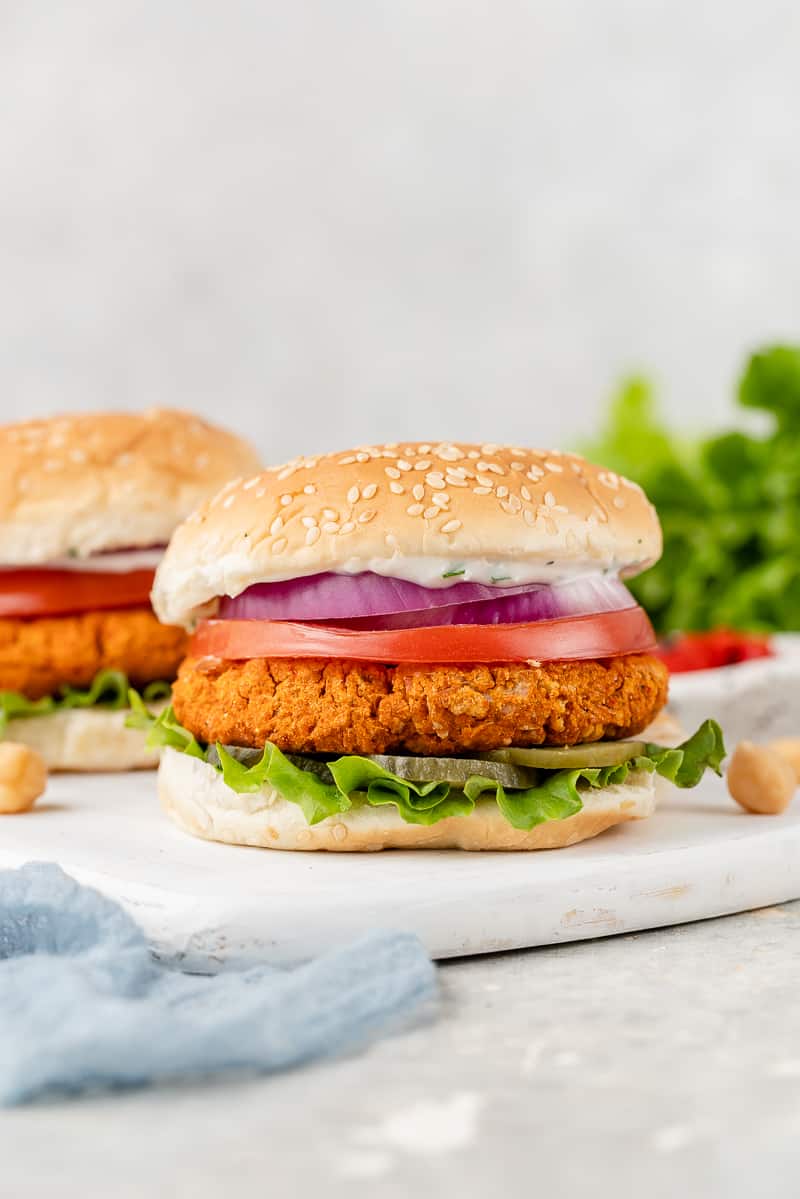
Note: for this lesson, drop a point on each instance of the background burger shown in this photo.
(416, 645)
(87, 504)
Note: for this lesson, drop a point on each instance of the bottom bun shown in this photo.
(195, 797)
(87, 740)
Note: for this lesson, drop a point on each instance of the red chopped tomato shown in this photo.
(708, 651)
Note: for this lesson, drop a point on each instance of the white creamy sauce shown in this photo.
(121, 562)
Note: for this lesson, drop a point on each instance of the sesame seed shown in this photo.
(451, 527)
(259, 495)
(481, 490)
(618, 501)
(347, 461)
(279, 546)
(366, 516)
(423, 464)
(473, 454)
(441, 499)
(459, 471)
(329, 513)
(502, 492)
(517, 465)
(392, 472)
(484, 466)
(352, 495)
(415, 509)
(530, 519)
(276, 525)
(435, 480)
(330, 526)
(284, 474)
(310, 489)
(418, 491)
(508, 507)
(549, 499)
(390, 539)
(397, 488)
(555, 466)
(424, 449)
(486, 481)
(403, 465)
(526, 495)
(226, 503)
(310, 521)
(456, 480)
(496, 469)
(449, 453)
(311, 536)
(514, 503)
(286, 500)
(346, 528)
(551, 526)
(250, 482)
(535, 474)
(369, 491)
(362, 457)
(429, 513)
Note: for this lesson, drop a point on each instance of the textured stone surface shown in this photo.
(652, 1064)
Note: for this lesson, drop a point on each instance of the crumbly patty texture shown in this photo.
(38, 656)
(332, 706)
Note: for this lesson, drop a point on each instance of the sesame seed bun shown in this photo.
(408, 511)
(76, 485)
(193, 794)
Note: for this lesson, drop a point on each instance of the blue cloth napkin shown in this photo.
(83, 1005)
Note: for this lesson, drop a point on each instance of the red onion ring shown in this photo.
(371, 601)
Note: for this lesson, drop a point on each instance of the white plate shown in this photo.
(209, 905)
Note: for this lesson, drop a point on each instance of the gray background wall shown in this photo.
(338, 222)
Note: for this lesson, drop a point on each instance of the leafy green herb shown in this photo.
(108, 689)
(455, 572)
(358, 780)
(729, 504)
(500, 578)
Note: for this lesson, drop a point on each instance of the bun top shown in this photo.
(75, 485)
(411, 511)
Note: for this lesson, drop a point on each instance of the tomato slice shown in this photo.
(31, 593)
(572, 638)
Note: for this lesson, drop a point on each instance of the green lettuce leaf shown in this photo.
(357, 780)
(162, 728)
(108, 689)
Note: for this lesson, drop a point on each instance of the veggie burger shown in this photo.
(87, 504)
(415, 645)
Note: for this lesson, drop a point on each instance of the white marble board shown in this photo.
(207, 905)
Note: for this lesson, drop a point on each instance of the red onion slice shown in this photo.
(370, 601)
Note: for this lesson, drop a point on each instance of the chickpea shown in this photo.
(789, 748)
(23, 777)
(761, 780)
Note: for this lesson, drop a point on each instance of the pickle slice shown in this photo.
(570, 757)
(249, 757)
(454, 770)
